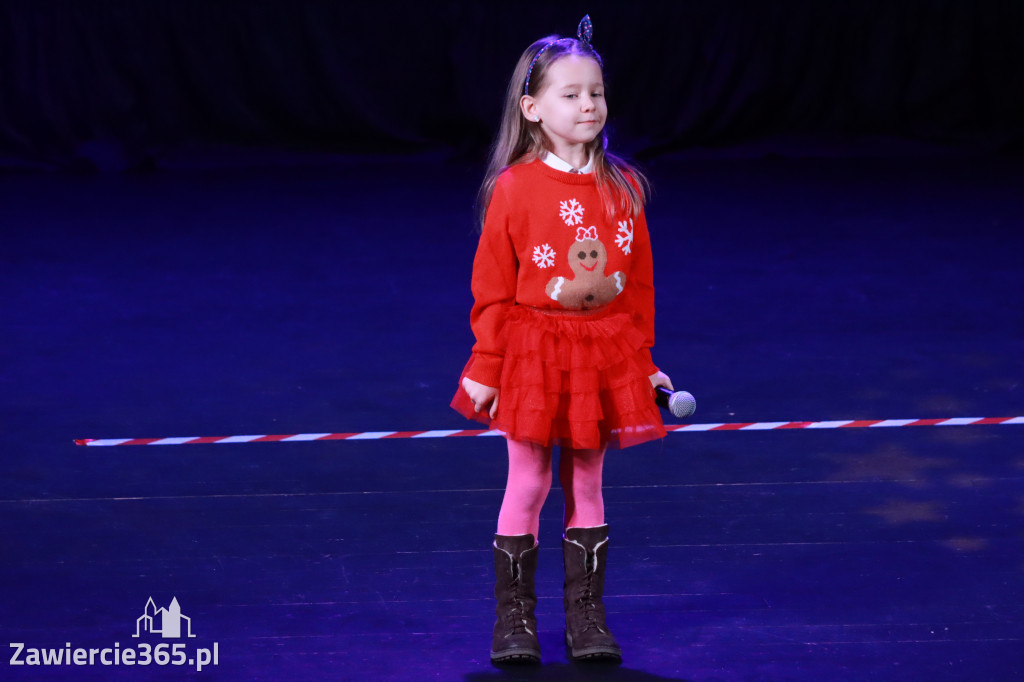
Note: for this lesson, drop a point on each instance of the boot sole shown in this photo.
(602, 655)
(607, 654)
(515, 657)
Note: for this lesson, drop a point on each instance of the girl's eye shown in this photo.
(571, 96)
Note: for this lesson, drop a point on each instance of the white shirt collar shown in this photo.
(558, 163)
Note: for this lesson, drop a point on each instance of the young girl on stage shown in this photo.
(564, 322)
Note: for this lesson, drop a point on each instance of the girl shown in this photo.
(564, 322)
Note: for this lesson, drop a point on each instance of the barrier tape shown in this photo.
(671, 428)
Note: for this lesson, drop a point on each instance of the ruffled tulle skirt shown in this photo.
(572, 379)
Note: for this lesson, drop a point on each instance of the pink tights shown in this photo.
(529, 481)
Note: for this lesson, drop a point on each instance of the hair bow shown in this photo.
(585, 31)
(586, 233)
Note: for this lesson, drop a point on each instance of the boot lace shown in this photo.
(586, 602)
(515, 612)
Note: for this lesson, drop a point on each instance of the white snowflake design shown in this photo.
(543, 256)
(571, 212)
(624, 240)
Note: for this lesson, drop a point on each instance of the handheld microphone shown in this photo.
(680, 403)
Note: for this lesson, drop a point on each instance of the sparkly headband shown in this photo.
(584, 32)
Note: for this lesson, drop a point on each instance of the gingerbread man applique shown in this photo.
(589, 287)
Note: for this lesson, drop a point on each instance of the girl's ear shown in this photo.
(528, 105)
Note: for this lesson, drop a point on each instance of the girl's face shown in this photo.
(571, 107)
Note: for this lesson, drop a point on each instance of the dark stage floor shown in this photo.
(334, 298)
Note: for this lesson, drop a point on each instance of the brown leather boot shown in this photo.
(586, 635)
(515, 631)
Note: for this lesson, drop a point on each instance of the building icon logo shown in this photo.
(167, 622)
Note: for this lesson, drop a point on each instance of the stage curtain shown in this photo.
(145, 79)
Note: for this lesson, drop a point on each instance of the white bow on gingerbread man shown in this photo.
(586, 233)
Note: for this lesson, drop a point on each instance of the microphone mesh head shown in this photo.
(682, 404)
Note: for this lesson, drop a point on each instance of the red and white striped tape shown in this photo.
(677, 428)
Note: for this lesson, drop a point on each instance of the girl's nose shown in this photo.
(586, 103)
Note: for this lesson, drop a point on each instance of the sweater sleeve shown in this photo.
(495, 270)
(638, 297)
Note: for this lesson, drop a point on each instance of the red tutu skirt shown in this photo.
(572, 379)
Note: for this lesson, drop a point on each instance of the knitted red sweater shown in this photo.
(548, 243)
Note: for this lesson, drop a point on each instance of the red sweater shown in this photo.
(547, 243)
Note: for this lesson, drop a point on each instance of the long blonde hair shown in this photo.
(624, 187)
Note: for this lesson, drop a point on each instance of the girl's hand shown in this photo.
(481, 395)
(661, 379)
